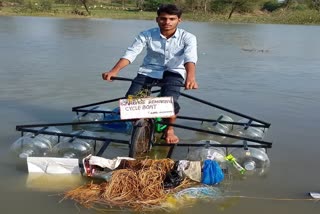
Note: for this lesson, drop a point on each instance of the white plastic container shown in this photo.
(240, 142)
(75, 148)
(31, 145)
(91, 116)
(253, 160)
(250, 132)
(208, 152)
(219, 127)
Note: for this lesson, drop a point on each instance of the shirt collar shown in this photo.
(175, 35)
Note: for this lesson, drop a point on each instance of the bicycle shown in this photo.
(144, 129)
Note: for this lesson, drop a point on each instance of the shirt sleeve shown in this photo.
(135, 49)
(190, 49)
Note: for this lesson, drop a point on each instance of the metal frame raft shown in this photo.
(107, 141)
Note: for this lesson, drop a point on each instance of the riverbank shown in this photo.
(306, 17)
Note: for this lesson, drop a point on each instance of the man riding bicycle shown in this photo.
(171, 58)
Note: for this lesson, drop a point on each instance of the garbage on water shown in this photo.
(141, 185)
(235, 164)
(98, 167)
(173, 177)
(315, 195)
(199, 192)
(190, 169)
(208, 152)
(211, 173)
(135, 184)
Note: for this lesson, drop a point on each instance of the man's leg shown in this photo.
(138, 83)
(174, 91)
(170, 136)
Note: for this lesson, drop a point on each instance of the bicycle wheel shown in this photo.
(141, 138)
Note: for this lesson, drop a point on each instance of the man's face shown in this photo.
(168, 22)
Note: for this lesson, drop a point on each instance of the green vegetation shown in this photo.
(244, 11)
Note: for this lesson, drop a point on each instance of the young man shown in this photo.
(171, 58)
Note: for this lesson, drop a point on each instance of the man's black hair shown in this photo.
(170, 9)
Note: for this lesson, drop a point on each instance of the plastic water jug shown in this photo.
(241, 142)
(122, 127)
(252, 160)
(250, 132)
(75, 147)
(208, 153)
(90, 117)
(31, 145)
(219, 127)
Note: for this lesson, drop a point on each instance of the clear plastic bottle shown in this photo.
(32, 145)
(252, 160)
(219, 127)
(90, 117)
(74, 147)
(208, 152)
(54, 139)
(250, 132)
(240, 142)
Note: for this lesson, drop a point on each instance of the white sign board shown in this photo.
(150, 107)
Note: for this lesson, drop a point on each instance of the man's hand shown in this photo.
(108, 75)
(191, 84)
(115, 70)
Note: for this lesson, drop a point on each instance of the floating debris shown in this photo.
(200, 192)
(139, 186)
(255, 50)
(315, 195)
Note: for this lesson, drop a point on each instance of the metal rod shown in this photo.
(72, 135)
(104, 147)
(97, 103)
(95, 111)
(70, 123)
(224, 109)
(213, 145)
(221, 121)
(216, 133)
(172, 146)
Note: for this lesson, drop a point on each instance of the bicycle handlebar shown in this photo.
(122, 78)
(155, 84)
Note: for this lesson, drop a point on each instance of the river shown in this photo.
(271, 72)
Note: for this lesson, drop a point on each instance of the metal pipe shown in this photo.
(224, 109)
(220, 121)
(217, 133)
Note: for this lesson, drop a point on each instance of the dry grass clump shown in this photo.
(137, 185)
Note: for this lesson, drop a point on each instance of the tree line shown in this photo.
(228, 7)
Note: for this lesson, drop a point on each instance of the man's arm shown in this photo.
(190, 58)
(190, 82)
(116, 69)
(131, 53)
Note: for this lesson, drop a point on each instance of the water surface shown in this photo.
(271, 72)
